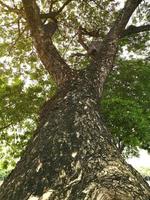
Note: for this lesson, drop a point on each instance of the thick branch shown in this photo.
(123, 18)
(110, 43)
(105, 54)
(47, 52)
(135, 29)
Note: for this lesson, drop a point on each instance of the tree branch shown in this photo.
(53, 14)
(123, 18)
(6, 126)
(51, 5)
(110, 43)
(78, 54)
(47, 52)
(16, 40)
(10, 9)
(135, 29)
(93, 33)
(106, 53)
(81, 40)
(50, 15)
(6, 6)
(63, 6)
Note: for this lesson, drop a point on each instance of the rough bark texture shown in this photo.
(71, 156)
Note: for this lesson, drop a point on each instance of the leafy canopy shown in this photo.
(125, 105)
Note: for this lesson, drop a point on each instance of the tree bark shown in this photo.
(72, 156)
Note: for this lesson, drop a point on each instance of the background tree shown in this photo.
(125, 105)
(71, 118)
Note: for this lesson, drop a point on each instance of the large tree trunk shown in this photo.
(72, 156)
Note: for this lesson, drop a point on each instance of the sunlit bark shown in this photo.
(72, 155)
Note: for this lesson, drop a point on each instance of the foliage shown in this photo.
(3, 174)
(125, 105)
(21, 97)
(25, 85)
(144, 171)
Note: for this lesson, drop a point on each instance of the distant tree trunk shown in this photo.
(72, 156)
